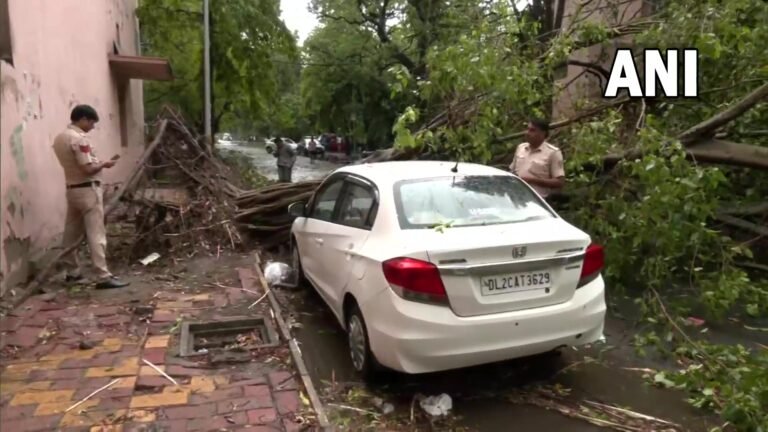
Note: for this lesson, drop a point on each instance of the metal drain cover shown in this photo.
(231, 334)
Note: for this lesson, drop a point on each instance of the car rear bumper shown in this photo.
(418, 338)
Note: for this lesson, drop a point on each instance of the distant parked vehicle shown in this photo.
(270, 145)
(304, 146)
(225, 139)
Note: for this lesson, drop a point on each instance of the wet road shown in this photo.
(480, 394)
(266, 164)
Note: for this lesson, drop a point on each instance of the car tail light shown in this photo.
(415, 280)
(594, 260)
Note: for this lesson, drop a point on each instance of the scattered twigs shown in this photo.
(351, 408)
(600, 414)
(259, 299)
(80, 402)
(160, 371)
(631, 413)
(682, 333)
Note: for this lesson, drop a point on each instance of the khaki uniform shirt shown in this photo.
(545, 162)
(74, 151)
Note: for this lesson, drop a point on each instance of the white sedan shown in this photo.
(429, 269)
(270, 146)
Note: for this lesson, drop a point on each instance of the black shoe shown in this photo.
(112, 283)
(70, 278)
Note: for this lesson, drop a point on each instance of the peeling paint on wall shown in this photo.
(16, 250)
(9, 85)
(15, 204)
(17, 151)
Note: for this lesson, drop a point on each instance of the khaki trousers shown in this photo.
(85, 215)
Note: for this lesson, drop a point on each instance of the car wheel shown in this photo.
(296, 262)
(359, 348)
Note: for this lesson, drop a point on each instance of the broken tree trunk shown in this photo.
(264, 211)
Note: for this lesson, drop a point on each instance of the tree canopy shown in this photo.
(247, 40)
(674, 188)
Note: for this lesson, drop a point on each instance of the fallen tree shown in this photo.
(264, 212)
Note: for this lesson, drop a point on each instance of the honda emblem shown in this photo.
(519, 251)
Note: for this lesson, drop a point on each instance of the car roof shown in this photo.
(392, 172)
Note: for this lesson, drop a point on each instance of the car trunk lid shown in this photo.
(507, 267)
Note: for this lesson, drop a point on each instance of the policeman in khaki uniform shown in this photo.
(537, 162)
(85, 204)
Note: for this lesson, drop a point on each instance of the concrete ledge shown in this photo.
(298, 358)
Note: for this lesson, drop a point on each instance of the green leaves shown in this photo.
(245, 37)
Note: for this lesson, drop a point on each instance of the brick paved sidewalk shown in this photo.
(58, 349)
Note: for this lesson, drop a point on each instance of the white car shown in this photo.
(430, 270)
(319, 148)
(270, 145)
(225, 139)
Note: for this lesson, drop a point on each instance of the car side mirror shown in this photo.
(297, 209)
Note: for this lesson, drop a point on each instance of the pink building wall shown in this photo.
(60, 50)
(579, 88)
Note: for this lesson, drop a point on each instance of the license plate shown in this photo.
(502, 284)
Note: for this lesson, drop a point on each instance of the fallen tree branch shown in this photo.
(710, 151)
(708, 126)
(743, 224)
(754, 266)
(566, 122)
(747, 210)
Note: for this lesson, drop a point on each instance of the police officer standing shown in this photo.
(85, 203)
(537, 162)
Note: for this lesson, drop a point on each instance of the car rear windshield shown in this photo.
(458, 201)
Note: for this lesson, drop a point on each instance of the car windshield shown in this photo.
(457, 201)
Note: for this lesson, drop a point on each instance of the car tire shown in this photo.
(363, 360)
(297, 267)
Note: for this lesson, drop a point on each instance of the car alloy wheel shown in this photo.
(357, 343)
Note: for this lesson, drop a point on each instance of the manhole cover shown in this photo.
(233, 334)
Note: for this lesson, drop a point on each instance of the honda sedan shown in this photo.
(432, 266)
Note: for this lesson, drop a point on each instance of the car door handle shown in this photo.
(318, 240)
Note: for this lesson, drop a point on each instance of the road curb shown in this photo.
(298, 358)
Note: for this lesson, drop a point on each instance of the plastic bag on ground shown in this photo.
(277, 273)
(437, 405)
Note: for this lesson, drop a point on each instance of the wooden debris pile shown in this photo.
(264, 211)
(179, 199)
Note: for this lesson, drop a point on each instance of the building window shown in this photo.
(6, 50)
